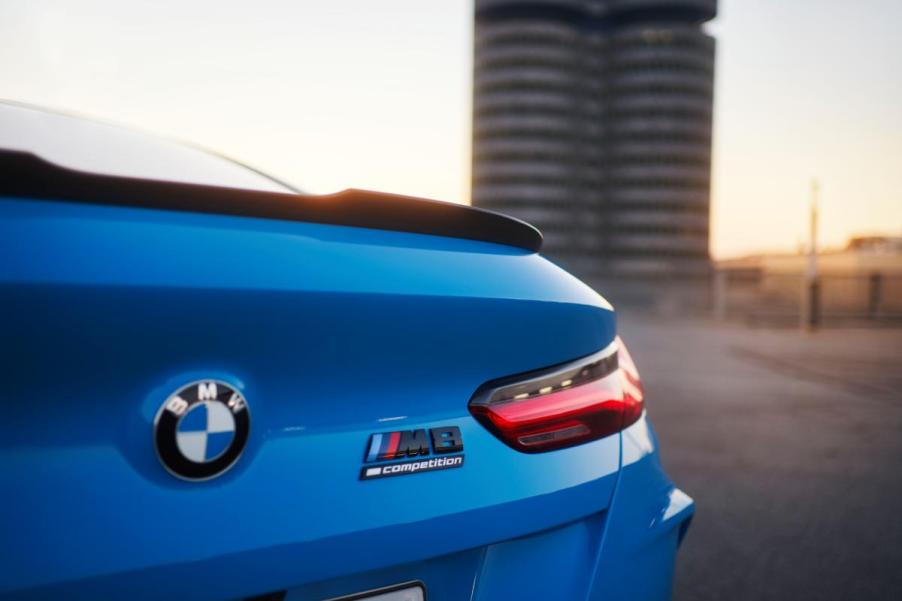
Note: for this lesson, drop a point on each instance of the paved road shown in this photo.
(791, 445)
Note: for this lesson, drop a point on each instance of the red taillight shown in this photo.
(565, 405)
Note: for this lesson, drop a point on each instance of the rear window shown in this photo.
(99, 147)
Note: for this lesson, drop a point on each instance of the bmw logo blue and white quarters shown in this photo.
(201, 430)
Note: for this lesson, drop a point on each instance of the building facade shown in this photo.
(592, 120)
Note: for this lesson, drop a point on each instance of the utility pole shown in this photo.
(811, 296)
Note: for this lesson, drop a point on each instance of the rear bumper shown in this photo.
(624, 552)
(623, 549)
(647, 521)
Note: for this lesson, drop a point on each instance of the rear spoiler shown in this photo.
(25, 175)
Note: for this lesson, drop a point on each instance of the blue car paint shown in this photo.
(647, 519)
(331, 333)
(625, 553)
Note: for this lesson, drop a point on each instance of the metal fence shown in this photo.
(753, 296)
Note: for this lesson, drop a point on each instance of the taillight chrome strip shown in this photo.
(546, 381)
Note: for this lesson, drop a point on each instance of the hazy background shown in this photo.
(356, 93)
(788, 437)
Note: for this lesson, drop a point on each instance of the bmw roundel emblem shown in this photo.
(201, 430)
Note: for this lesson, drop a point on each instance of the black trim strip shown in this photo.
(581, 18)
(383, 590)
(25, 175)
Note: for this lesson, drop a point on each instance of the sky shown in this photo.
(377, 95)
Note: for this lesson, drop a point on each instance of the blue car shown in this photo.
(215, 387)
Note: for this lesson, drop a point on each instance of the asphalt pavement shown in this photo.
(791, 445)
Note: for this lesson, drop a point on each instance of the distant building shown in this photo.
(862, 256)
(877, 245)
(864, 279)
(592, 120)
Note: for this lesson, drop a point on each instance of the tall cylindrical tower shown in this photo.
(592, 119)
(658, 151)
(537, 93)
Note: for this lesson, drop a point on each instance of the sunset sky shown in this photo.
(356, 93)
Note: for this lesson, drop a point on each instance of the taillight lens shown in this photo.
(562, 406)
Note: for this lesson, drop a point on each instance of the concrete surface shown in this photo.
(791, 445)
